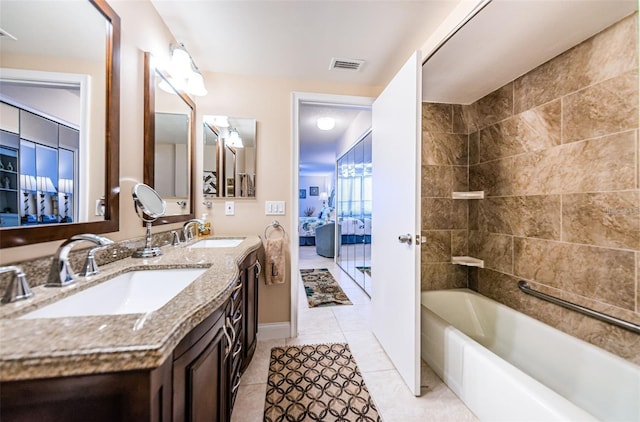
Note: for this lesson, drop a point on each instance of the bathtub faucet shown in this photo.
(61, 273)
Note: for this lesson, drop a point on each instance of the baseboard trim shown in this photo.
(274, 330)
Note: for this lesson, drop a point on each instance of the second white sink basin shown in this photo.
(218, 243)
(133, 292)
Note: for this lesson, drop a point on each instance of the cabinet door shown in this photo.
(200, 380)
(250, 313)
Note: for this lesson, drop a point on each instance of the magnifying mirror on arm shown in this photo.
(149, 207)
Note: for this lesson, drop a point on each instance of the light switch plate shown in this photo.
(229, 208)
(274, 208)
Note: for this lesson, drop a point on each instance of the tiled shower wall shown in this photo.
(556, 152)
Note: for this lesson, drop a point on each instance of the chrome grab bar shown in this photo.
(524, 286)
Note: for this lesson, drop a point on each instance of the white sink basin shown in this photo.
(134, 292)
(218, 243)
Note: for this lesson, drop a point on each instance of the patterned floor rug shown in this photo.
(366, 270)
(322, 289)
(316, 383)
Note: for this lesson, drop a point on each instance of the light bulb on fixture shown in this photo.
(195, 84)
(184, 74)
(180, 66)
(326, 123)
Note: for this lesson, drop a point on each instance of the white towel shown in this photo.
(275, 253)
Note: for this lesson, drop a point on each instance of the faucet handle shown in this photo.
(90, 264)
(175, 238)
(18, 288)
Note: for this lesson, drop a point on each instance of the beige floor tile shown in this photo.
(258, 369)
(249, 405)
(397, 404)
(367, 352)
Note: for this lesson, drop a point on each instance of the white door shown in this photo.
(395, 265)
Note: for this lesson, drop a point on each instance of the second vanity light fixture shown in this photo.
(185, 75)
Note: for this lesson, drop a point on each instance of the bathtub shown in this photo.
(506, 366)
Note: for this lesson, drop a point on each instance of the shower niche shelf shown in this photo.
(478, 194)
(468, 261)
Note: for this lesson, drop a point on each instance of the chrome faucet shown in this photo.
(186, 232)
(18, 288)
(61, 273)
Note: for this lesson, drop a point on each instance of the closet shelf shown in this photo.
(468, 261)
(479, 194)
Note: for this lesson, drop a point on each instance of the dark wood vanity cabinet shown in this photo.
(249, 272)
(198, 382)
(200, 376)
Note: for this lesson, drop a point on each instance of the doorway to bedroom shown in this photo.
(330, 211)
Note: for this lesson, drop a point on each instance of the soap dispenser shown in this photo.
(205, 229)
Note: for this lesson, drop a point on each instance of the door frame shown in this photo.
(298, 98)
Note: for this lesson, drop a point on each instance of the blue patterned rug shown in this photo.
(322, 289)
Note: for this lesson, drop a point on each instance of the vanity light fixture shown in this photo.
(185, 75)
(326, 123)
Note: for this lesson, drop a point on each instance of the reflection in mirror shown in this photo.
(148, 201)
(235, 156)
(210, 161)
(48, 125)
(353, 210)
(169, 136)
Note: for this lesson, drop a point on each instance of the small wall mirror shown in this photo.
(229, 162)
(59, 99)
(149, 207)
(148, 201)
(168, 143)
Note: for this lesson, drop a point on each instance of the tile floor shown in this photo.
(351, 324)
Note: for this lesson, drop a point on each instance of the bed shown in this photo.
(353, 230)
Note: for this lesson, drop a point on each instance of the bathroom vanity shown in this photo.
(180, 362)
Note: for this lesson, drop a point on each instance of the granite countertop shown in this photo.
(39, 348)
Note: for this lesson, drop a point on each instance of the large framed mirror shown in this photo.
(59, 99)
(230, 155)
(169, 136)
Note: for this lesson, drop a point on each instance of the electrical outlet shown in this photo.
(229, 208)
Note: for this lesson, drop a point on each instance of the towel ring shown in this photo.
(275, 225)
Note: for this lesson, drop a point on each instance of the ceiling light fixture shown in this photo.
(326, 123)
(185, 75)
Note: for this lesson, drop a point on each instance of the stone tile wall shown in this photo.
(556, 152)
(444, 220)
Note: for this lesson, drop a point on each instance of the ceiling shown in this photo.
(507, 39)
(319, 148)
(298, 39)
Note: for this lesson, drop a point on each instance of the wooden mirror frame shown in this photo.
(150, 139)
(22, 236)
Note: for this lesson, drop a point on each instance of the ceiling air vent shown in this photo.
(346, 64)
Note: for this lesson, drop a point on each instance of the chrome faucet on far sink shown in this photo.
(61, 273)
(187, 234)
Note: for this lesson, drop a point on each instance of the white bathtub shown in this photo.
(507, 366)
